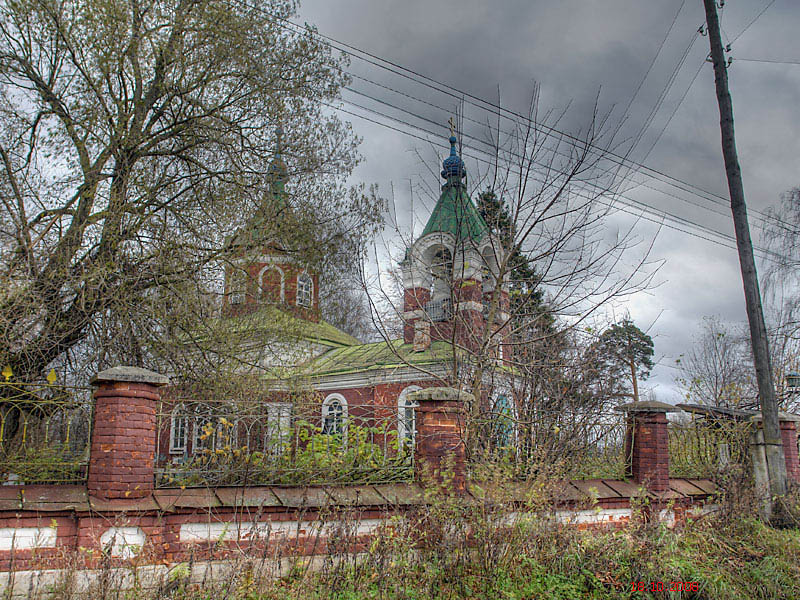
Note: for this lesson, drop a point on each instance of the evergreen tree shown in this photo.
(623, 351)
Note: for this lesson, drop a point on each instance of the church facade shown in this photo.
(455, 312)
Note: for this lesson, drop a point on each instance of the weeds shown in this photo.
(493, 546)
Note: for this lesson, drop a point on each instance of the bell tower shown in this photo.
(450, 271)
(262, 271)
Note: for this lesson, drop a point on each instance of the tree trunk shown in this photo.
(634, 380)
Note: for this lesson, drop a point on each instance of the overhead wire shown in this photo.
(481, 103)
(638, 184)
(768, 60)
(665, 213)
(653, 62)
(756, 18)
(462, 96)
(720, 239)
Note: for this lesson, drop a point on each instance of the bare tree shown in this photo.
(718, 369)
(556, 194)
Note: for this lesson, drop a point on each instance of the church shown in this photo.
(455, 314)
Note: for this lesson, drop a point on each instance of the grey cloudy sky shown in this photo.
(573, 48)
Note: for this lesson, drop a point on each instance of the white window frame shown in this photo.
(305, 290)
(403, 404)
(212, 442)
(278, 430)
(326, 414)
(179, 416)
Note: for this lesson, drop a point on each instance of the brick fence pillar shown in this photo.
(440, 435)
(647, 444)
(122, 454)
(789, 437)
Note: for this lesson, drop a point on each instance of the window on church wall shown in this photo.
(442, 272)
(305, 290)
(178, 430)
(272, 285)
(334, 415)
(214, 430)
(407, 418)
(277, 430)
(237, 288)
(504, 422)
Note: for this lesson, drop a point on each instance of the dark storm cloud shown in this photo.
(573, 48)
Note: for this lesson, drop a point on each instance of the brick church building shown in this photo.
(449, 276)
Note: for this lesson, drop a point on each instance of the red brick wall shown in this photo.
(650, 455)
(789, 437)
(123, 442)
(271, 292)
(440, 443)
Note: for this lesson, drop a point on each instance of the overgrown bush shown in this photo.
(310, 457)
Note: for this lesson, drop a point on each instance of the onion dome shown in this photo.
(455, 212)
(453, 166)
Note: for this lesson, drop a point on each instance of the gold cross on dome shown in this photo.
(452, 127)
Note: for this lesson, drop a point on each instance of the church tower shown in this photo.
(450, 272)
(263, 272)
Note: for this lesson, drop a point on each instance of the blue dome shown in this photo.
(453, 166)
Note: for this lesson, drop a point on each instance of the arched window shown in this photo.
(272, 284)
(442, 264)
(178, 430)
(504, 420)
(406, 416)
(237, 286)
(441, 274)
(214, 429)
(334, 415)
(305, 290)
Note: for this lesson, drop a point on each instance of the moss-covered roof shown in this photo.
(377, 355)
(276, 321)
(455, 214)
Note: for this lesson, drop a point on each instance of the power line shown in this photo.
(460, 95)
(721, 238)
(478, 102)
(768, 60)
(468, 136)
(756, 18)
(674, 111)
(664, 92)
(655, 58)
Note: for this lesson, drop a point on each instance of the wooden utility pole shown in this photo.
(776, 465)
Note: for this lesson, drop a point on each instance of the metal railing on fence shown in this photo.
(705, 447)
(45, 431)
(282, 443)
(573, 445)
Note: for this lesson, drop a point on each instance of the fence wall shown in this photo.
(119, 513)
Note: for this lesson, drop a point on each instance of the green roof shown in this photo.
(377, 355)
(273, 320)
(455, 214)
